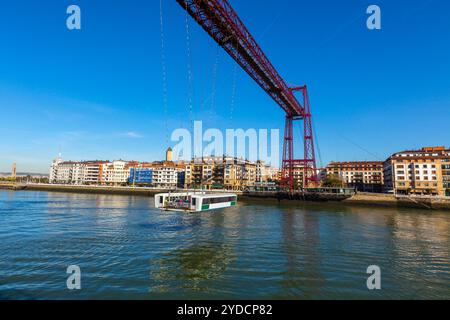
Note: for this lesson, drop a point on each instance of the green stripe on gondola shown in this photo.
(233, 203)
(205, 207)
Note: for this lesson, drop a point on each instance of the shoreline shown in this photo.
(365, 199)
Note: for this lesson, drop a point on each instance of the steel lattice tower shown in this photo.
(221, 22)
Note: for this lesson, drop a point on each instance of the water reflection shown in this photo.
(257, 250)
(301, 242)
(198, 261)
(192, 268)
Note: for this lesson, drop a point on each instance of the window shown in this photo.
(219, 200)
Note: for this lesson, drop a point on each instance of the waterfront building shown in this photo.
(76, 172)
(419, 172)
(54, 169)
(141, 176)
(116, 172)
(165, 175)
(273, 174)
(64, 172)
(322, 174)
(364, 176)
(181, 179)
(91, 172)
(266, 173)
(224, 173)
(445, 166)
(261, 174)
(208, 173)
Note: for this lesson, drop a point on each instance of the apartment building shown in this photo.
(116, 172)
(64, 172)
(70, 172)
(165, 174)
(206, 173)
(364, 176)
(445, 166)
(53, 173)
(92, 173)
(266, 173)
(419, 172)
(224, 173)
(140, 176)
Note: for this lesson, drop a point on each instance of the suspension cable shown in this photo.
(233, 95)
(317, 144)
(164, 73)
(214, 83)
(189, 72)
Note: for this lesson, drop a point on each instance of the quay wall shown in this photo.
(133, 191)
(389, 200)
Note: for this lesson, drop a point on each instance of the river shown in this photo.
(126, 249)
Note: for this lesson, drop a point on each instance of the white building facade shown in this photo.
(116, 172)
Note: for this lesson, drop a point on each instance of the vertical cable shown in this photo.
(164, 73)
(233, 95)
(189, 72)
(214, 84)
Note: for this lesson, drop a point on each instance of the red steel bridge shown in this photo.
(221, 22)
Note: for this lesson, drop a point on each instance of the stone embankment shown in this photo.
(420, 202)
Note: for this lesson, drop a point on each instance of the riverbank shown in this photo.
(366, 199)
(112, 190)
(390, 200)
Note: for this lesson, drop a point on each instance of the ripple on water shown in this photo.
(127, 249)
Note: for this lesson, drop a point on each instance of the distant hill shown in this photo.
(23, 174)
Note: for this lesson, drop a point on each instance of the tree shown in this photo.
(333, 181)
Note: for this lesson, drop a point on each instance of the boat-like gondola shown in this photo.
(194, 202)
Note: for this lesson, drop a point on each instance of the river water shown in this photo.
(258, 250)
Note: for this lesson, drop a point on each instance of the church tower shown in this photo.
(169, 155)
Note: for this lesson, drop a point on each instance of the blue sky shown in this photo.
(97, 93)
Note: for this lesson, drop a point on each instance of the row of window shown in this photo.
(219, 200)
(423, 178)
(403, 184)
(417, 166)
(417, 172)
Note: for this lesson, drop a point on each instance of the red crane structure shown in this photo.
(221, 22)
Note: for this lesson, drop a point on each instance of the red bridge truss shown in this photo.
(221, 22)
